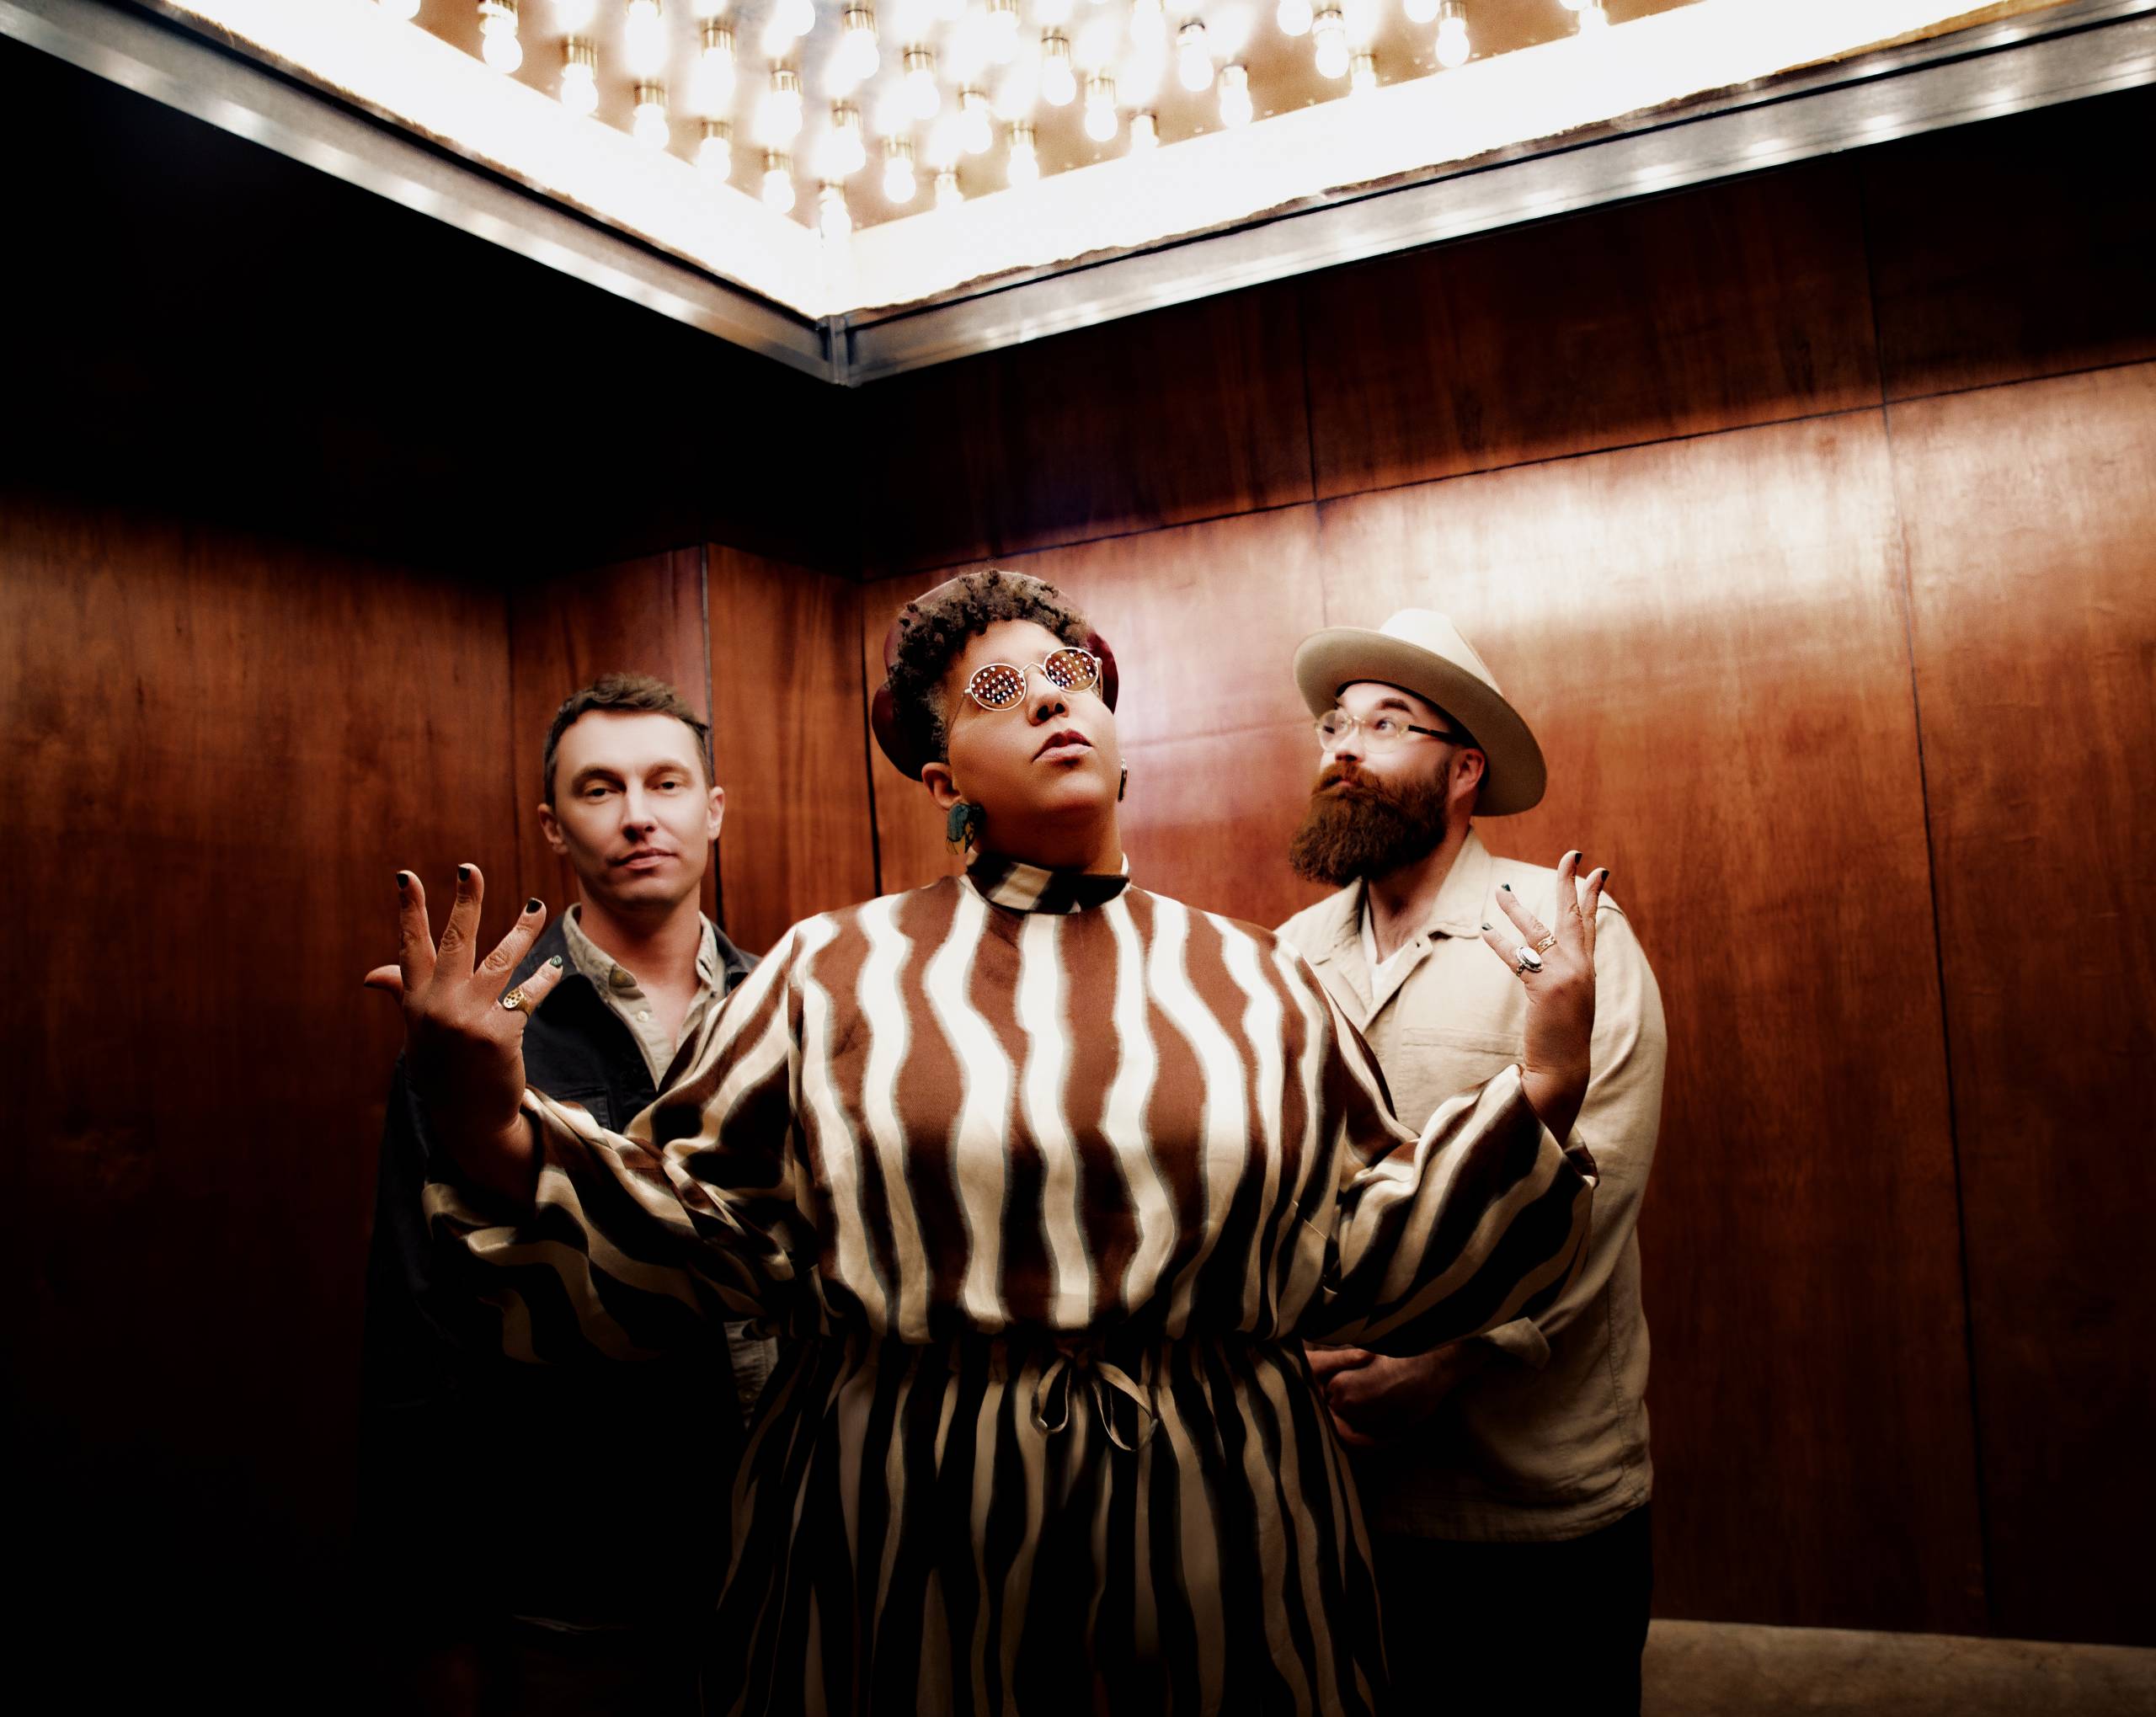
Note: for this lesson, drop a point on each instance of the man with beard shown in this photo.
(1497, 1472)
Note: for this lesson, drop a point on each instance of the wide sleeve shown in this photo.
(689, 1215)
(1618, 1122)
(1480, 1219)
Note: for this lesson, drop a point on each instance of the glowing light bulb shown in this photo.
(844, 154)
(1098, 40)
(400, 9)
(800, 15)
(778, 114)
(1018, 88)
(975, 131)
(1002, 30)
(1419, 11)
(1363, 18)
(716, 72)
(1363, 75)
(900, 184)
(1145, 134)
(946, 139)
(715, 148)
(921, 82)
(1025, 164)
(705, 10)
(1051, 13)
(1147, 23)
(571, 16)
(644, 39)
(1193, 58)
(1454, 48)
(579, 76)
(834, 220)
(498, 44)
(1593, 16)
(789, 21)
(1293, 17)
(778, 182)
(858, 56)
(1059, 83)
(1101, 122)
(650, 127)
(1329, 30)
(1235, 96)
(948, 194)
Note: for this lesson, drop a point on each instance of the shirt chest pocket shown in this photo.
(1429, 1064)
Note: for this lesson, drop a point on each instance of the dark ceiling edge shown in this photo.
(169, 62)
(2087, 48)
(2091, 48)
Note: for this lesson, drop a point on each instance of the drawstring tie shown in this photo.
(1079, 1364)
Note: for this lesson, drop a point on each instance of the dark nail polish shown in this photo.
(1486, 926)
(1575, 857)
(556, 961)
(464, 873)
(532, 904)
(1507, 886)
(403, 880)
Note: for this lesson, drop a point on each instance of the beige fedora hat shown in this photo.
(1421, 651)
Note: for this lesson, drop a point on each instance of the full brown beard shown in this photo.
(1359, 826)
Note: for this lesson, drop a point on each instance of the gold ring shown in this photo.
(514, 1001)
(1547, 943)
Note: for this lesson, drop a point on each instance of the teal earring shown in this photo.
(962, 827)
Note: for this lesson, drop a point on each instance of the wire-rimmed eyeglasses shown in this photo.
(1380, 733)
(1001, 686)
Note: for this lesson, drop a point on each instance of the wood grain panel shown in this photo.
(2022, 248)
(932, 441)
(645, 616)
(1708, 638)
(223, 747)
(1204, 619)
(1208, 816)
(2031, 519)
(1190, 412)
(1741, 303)
(789, 726)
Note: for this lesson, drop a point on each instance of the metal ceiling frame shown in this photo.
(2090, 47)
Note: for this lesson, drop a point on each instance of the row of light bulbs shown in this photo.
(1340, 30)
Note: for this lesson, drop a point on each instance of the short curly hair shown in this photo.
(933, 630)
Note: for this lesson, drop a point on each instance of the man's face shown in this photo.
(632, 813)
(1378, 807)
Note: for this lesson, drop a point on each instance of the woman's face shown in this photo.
(1046, 772)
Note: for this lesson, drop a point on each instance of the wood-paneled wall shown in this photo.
(222, 746)
(1842, 666)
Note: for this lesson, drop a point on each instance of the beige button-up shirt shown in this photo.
(754, 1357)
(1549, 1440)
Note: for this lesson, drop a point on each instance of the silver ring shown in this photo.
(514, 1002)
(1526, 960)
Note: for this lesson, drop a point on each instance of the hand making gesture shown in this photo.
(1557, 966)
(464, 1031)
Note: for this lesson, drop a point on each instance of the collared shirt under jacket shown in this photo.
(1055, 1174)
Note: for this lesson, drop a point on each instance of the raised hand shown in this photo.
(463, 1035)
(1556, 965)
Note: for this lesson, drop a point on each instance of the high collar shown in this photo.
(1024, 887)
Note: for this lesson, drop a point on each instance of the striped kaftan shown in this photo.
(1053, 1174)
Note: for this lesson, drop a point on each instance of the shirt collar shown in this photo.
(1457, 911)
(609, 974)
(1024, 887)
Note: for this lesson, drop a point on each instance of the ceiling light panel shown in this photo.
(935, 74)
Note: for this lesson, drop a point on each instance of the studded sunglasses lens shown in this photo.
(998, 685)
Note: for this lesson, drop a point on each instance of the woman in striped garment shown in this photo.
(1053, 1176)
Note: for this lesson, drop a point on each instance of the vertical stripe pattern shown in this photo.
(1051, 1180)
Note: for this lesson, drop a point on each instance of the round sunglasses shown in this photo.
(1001, 686)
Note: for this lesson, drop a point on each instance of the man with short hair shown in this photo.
(570, 1607)
(1505, 1480)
